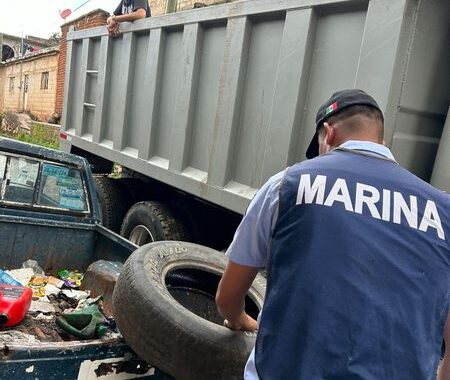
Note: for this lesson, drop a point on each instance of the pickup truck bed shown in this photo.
(49, 213)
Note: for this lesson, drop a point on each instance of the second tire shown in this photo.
(151, 221)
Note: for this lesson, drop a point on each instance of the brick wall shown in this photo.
(158, 7)
(183, 5)
(89, 20)
(41, 102)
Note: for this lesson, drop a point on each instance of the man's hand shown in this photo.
(244, 323)
(230, 297)
(111, 22)
(113, 27)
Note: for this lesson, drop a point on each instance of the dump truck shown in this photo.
(199, 108)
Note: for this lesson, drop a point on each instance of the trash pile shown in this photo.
(67, 306)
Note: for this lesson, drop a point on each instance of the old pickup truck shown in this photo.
(49, 213)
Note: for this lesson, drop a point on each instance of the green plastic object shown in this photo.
(85, 324)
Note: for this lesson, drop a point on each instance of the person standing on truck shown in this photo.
(357, 255)
(127, 10)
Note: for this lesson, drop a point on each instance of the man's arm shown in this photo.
(230, 297)
(133, 16)
(444, 370)
(139, 11)
(247, 254)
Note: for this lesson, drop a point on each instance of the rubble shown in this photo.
(39, 306)
(58, 298)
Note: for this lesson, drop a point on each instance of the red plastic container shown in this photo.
(14, 304)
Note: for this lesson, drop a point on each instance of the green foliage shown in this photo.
(1, 118)
(55, 38)
(41, 134)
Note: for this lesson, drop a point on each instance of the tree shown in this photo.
(55, 38)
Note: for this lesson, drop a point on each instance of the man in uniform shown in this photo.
(127, 10)
(357, 256)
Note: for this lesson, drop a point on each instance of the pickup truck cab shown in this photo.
(49, 213)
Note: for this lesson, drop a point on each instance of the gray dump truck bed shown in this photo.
(216, 100)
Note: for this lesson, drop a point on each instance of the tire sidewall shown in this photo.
(195, 338)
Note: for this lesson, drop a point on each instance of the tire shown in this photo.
(151, 221)
(167, 334)
(113, 202)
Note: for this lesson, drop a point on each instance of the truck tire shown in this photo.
(164, 306)
(151, 221)
(113, 202)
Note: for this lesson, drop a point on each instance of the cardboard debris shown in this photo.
(44, 317)
(55, 281)
(23, 275)
(41, 306)
(75, 294)
(51, 289)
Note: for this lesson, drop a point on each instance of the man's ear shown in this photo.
(330, 134)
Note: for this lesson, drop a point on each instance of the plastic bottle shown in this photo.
(5, 278)
(14, 304)
(33, 264)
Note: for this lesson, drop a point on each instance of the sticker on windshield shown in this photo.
(71, 193)
(72, 203)
(55, 171)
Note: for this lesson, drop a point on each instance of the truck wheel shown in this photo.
(164, 306)
(151, 221)
(113, 202)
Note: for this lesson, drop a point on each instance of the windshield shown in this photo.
(31, 182)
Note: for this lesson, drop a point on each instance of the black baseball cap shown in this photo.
(338, 101)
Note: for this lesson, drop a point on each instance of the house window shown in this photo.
(44, 80)
(11, 84)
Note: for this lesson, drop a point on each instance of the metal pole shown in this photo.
(1, 47)
(21, 71)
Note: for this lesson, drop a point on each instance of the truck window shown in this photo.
(20, 180)
(62, 187)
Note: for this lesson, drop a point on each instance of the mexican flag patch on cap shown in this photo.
(331, 108)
